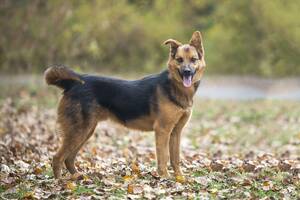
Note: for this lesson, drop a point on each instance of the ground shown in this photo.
(230, 150)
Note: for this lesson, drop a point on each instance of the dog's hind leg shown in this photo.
(77, 124)
(59, 157)
(73, 139)
(70, 160)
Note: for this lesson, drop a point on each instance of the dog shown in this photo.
(161, 103)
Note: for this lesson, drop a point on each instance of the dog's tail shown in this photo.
(62, 77)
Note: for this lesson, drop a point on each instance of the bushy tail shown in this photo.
(62, 77)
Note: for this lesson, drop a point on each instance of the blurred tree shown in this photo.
(255, 37)
(241, 37)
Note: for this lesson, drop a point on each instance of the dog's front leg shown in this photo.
(162, 138)
(174, 146)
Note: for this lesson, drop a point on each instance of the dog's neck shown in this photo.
(183, 95)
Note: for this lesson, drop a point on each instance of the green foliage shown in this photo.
(242, 37)
(256, 37)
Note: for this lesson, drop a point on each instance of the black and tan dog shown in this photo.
(161, 103)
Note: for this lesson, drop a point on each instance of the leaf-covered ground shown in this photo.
(230, 150)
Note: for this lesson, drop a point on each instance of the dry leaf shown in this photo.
(70, 185)
(127, 178)
(267, 185)
(38, 170)
(130, 189)
(77, 176)
(180, 179)
(214, 190)
(284, 166)
(29, 195)
(135, 168)
(248, 166)
(216, 166)
(94, 151)
(134, 189)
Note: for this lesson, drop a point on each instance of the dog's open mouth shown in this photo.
(187, 77)
(187, 80)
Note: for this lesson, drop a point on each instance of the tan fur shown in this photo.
(174, 147)
(166, 121)
(197, 42)
(74, 135)
(143, 123)
(56, 73)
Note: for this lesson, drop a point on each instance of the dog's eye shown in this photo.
(179, 60)
(194, 59)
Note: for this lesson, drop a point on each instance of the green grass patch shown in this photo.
(2, 188)
(83, 190)
(200, 172)
(119, 193)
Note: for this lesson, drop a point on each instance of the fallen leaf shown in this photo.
(248, 166)
(77, 176)
(135, 168)
(94, 151)
(284, 166)
(38, 170)
(267, 185)
(28, 195)
(216, 165)
(180, 179)
(127, 178)
(214, 190)
(130, 189)
(71, 185)
(134, 189)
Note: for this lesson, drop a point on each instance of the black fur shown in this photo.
(127, 100)
(170, 91)
(67, 84)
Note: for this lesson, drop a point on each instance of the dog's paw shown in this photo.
(163, 173)
(178, 172)
(76, 176)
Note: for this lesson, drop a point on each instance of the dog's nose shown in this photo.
(187, 72)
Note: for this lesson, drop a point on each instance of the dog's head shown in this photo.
(186, 61)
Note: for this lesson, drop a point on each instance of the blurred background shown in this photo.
(241, 37)
(248, 43)
(247, 116)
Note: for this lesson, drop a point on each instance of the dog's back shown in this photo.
(126, 100)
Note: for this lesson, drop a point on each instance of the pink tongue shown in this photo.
(187, 81)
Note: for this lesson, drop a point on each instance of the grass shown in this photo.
(119, 193)
(83, 190)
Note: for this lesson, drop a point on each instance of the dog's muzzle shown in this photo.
(187, 74)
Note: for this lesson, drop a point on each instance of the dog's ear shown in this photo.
(174, 44)
(196, 41)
